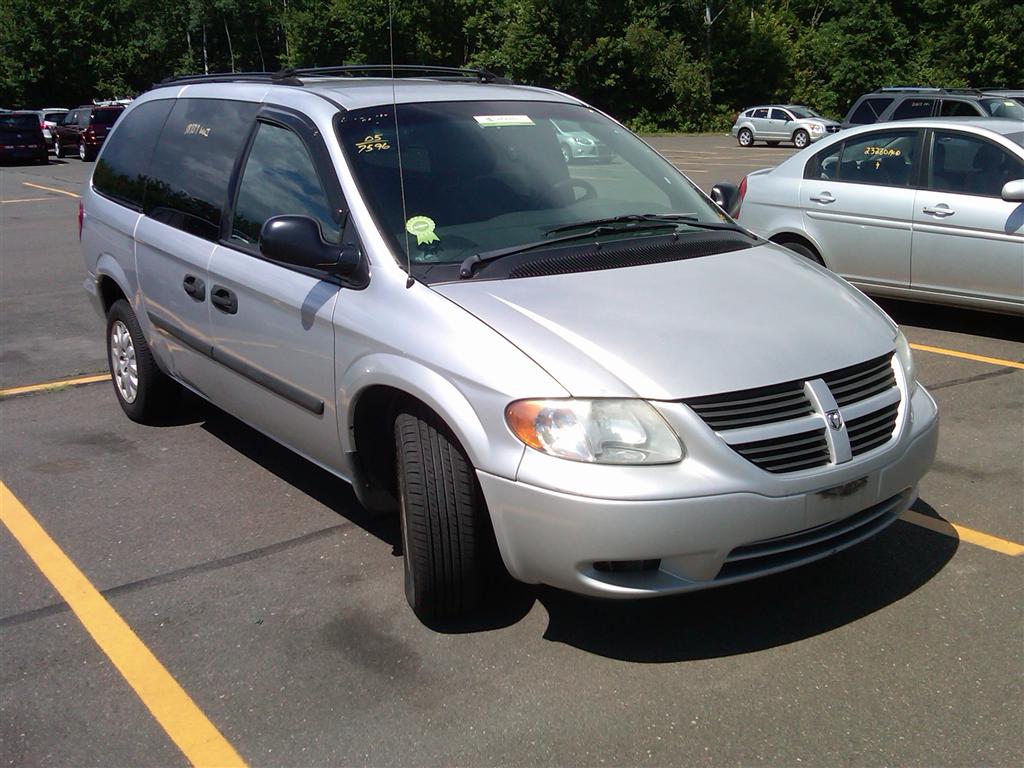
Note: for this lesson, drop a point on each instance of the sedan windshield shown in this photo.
(480, 177)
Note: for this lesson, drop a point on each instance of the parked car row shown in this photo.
(29, 135)
(799, 125)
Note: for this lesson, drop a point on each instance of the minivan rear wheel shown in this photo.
(745, 137)
(145, 392)
(442, 511)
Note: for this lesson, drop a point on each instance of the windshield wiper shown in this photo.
(688, 219)
(469, 265)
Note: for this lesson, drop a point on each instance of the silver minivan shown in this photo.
(588, 376)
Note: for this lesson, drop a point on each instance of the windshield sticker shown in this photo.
(423, 228)
(197, 129)
(882, 151)
(487, 121)
(373, 143)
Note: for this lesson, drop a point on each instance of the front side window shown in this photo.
(279, 179)
(970, 165)
(481, 176)
(191, 169)
(912, 109)
(869, 111)
(778, 114)
(957, 108)
(124, 164)
(886, 158)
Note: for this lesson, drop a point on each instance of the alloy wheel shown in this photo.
(122, 362)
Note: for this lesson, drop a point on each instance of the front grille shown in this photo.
(784, 551)
(787, 454)
(872, 430)
(859, 382)
(833, 128)
(751, 407)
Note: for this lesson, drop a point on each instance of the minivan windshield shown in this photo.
(482, 176)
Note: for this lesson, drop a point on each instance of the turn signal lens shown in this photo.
(595, 431)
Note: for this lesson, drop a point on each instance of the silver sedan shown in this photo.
(927, 210)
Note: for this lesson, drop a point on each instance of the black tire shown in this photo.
(745, 138)
(85, 153)
(442, 518)
(801, 139)
(155, 394)
(56, 148)
(804, 250)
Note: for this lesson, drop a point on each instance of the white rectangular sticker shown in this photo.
(489, 120)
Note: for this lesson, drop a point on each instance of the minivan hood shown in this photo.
(683, 329)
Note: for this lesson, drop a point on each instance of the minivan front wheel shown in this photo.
(801, 139)
(745, 137)
(441, 517)
(143, 390)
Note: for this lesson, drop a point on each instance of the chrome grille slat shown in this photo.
(766, 399)
(777, 446)
(718, 411)
(861, 383)
(771, 418)
(801, 451)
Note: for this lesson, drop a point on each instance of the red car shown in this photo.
(83, 131)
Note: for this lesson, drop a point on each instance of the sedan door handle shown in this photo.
(224, 300)
(824, 197)
(194, 287)
(942, 210)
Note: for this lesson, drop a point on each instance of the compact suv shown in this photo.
(776, 123)
(907, 103)
(21, 138)
(83, 131)
(587, 373)
(928, 210)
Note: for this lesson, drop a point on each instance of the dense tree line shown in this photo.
(658, 64)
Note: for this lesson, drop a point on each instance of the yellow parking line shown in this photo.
(26, 200)
(77, 381)
(49, 189)
(968, 356)
(1005, 546)
(186, 725)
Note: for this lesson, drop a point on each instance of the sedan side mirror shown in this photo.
(726, 195)
(296, 240)
(1013, 191)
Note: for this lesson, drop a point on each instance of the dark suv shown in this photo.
(83, 130)
(21, 137)
(906, 103)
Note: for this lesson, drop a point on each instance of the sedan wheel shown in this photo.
(745, 138)
(801, 139)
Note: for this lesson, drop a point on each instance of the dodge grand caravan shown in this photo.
(589, 375)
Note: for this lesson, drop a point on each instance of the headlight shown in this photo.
(816, 128)
(906, 359)
(596, 431)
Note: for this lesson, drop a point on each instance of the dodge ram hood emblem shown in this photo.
(835, 419)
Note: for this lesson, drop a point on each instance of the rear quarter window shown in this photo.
(123, 166)
(188, 179)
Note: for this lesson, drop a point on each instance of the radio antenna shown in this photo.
(398, 144)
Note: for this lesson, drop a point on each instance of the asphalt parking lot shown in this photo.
(264, 617)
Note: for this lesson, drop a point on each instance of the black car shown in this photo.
(912, 103)
(21, 138)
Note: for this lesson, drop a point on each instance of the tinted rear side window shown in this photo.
(869, 111)
(105, 116)
(191, 169)
(956, 108)
(124, 163)
(913, 108)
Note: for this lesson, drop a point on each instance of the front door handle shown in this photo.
(224, 300)
(941, 210)
(824, 198)
(194, 287)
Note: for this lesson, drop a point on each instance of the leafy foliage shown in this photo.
(656, 64)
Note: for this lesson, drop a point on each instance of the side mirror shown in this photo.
(726, 196)
(296, 240)
(1013, 191)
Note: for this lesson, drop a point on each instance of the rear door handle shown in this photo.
(194, 287)
(824, 197)
(224, 300)
(942, 210)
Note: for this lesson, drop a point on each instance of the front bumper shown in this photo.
(551, 537)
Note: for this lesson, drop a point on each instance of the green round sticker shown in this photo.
(423, 228)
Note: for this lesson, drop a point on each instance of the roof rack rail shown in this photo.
(966, 91)
(907, 89)
(281, 78)
(401, 70)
